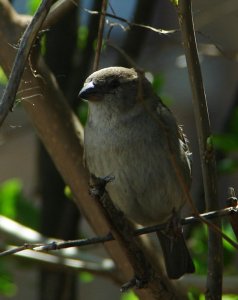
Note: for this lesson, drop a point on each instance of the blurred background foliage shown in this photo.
(69, 55)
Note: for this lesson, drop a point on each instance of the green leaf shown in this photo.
(158, 83)
(86, 277)
(32, 6)
(193, 294)
(67, 192)
(7, 286)
(3, 77)
(14, 205)
(233, 126)
(82, 37)
(129, 296)
(228, 165)
(226, 142)
(229, 297)
(9, 192)
(175, 2)
(82, 112)
(229, 251)
(199, 248)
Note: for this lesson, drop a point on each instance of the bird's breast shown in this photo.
(145, 186)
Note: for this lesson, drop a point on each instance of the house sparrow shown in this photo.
(133, 136)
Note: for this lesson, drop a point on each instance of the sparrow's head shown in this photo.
(117, 88)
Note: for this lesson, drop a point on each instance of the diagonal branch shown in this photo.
(207, 154)
(57, 11)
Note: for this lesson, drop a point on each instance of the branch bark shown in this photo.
(207, 154)
(100, 36)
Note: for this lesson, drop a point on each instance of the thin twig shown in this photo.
(15, 250)
(26, 43)
(145, 230)
(215, 263)
(130, 61)
(132, 24)
(74, 243)
(100, 36)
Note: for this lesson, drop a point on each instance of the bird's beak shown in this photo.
(90, 92)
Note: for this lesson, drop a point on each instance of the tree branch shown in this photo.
(56, 245)
(57, 11)
(207, 154)
(132, 24)
(100, 36)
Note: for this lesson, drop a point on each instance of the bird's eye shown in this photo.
(114, 84)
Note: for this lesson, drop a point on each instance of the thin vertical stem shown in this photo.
(207, 154)
(100, 35)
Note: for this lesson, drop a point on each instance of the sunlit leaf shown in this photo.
(3, 77)
(175, 2)
(229, 297)
(129, 296)
(32, 6)
(9, 192)
(67, 192)
(14, 205)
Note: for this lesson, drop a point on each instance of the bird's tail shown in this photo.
(177, 257)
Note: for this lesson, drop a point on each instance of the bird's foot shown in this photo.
(174, 227)
(135, 282)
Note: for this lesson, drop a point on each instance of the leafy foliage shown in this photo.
(82, 37)
(227, 144)
(82, 112)
(157, 82)
(7, 286)
(32, 6)
(199, 247)
(86, 277)
(129, 296)
(14, 205)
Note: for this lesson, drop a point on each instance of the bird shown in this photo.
(131, 134)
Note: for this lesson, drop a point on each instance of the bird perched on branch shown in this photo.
(133, 136)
